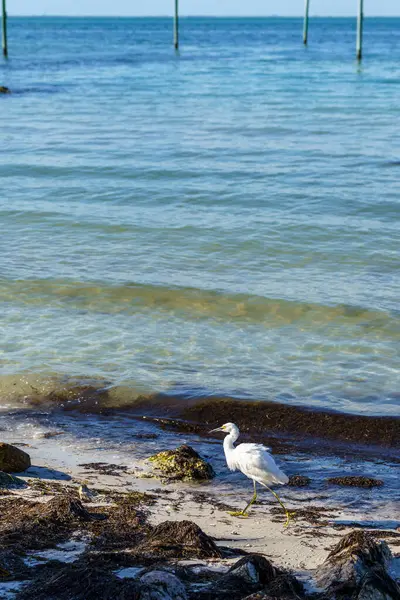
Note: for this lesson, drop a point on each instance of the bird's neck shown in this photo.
(228, 443)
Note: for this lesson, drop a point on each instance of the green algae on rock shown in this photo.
(12, 459)
(183, 464)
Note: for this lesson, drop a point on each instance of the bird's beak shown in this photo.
(215, 430)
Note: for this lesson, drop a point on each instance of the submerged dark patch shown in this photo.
(262, 416)
(356, 481)
(105, 468)
(256, 417)
(299, 481)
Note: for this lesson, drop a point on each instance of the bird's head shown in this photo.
(226, 428)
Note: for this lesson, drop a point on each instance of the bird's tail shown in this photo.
(283, 479)
(278, 477)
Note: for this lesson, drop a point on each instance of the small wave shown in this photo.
(192, 303)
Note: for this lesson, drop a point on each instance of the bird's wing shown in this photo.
(254, 447)
(256, 463)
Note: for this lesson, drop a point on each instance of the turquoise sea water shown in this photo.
(222, 221)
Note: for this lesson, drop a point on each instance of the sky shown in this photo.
(200, 7)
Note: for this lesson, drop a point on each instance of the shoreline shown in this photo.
(131, 436)
(62, 459)
(300, 549)
(197, 414)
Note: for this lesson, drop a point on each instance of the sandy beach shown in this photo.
(59, 467)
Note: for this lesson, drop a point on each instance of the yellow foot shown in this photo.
(238, 513)
(289, 517)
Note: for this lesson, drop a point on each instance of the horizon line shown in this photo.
(200, 16)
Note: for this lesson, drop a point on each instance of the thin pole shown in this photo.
(176, 26)
(360, 20)
(4, 29)
(305, 25)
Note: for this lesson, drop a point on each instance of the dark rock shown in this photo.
(249, 575)
(4, 90)
(8, 481)
(356, 568)
(161, 585)
(180, 539)
(356, 481)
(299, 481)
(254, 569)
(12, 459)
(377, 586)
(183, 464)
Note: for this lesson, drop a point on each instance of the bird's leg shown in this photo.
(289, 515)
(254, 498)
(243, 513)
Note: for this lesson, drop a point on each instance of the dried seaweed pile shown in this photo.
(118, 536)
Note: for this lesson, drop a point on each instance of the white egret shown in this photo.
(254, 461)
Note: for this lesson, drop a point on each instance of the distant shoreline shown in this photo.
(216, 17)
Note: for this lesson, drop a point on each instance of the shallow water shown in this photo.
(222, 221)
(129, 442)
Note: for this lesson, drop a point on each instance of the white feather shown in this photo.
(256, 463)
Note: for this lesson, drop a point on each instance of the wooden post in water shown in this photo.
(360, 19)
(305, 25)
(176, 26)
(4, 29)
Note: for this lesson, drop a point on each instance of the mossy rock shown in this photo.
(4, 90)
(182, 464)
(9, 481)
(12, 459)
